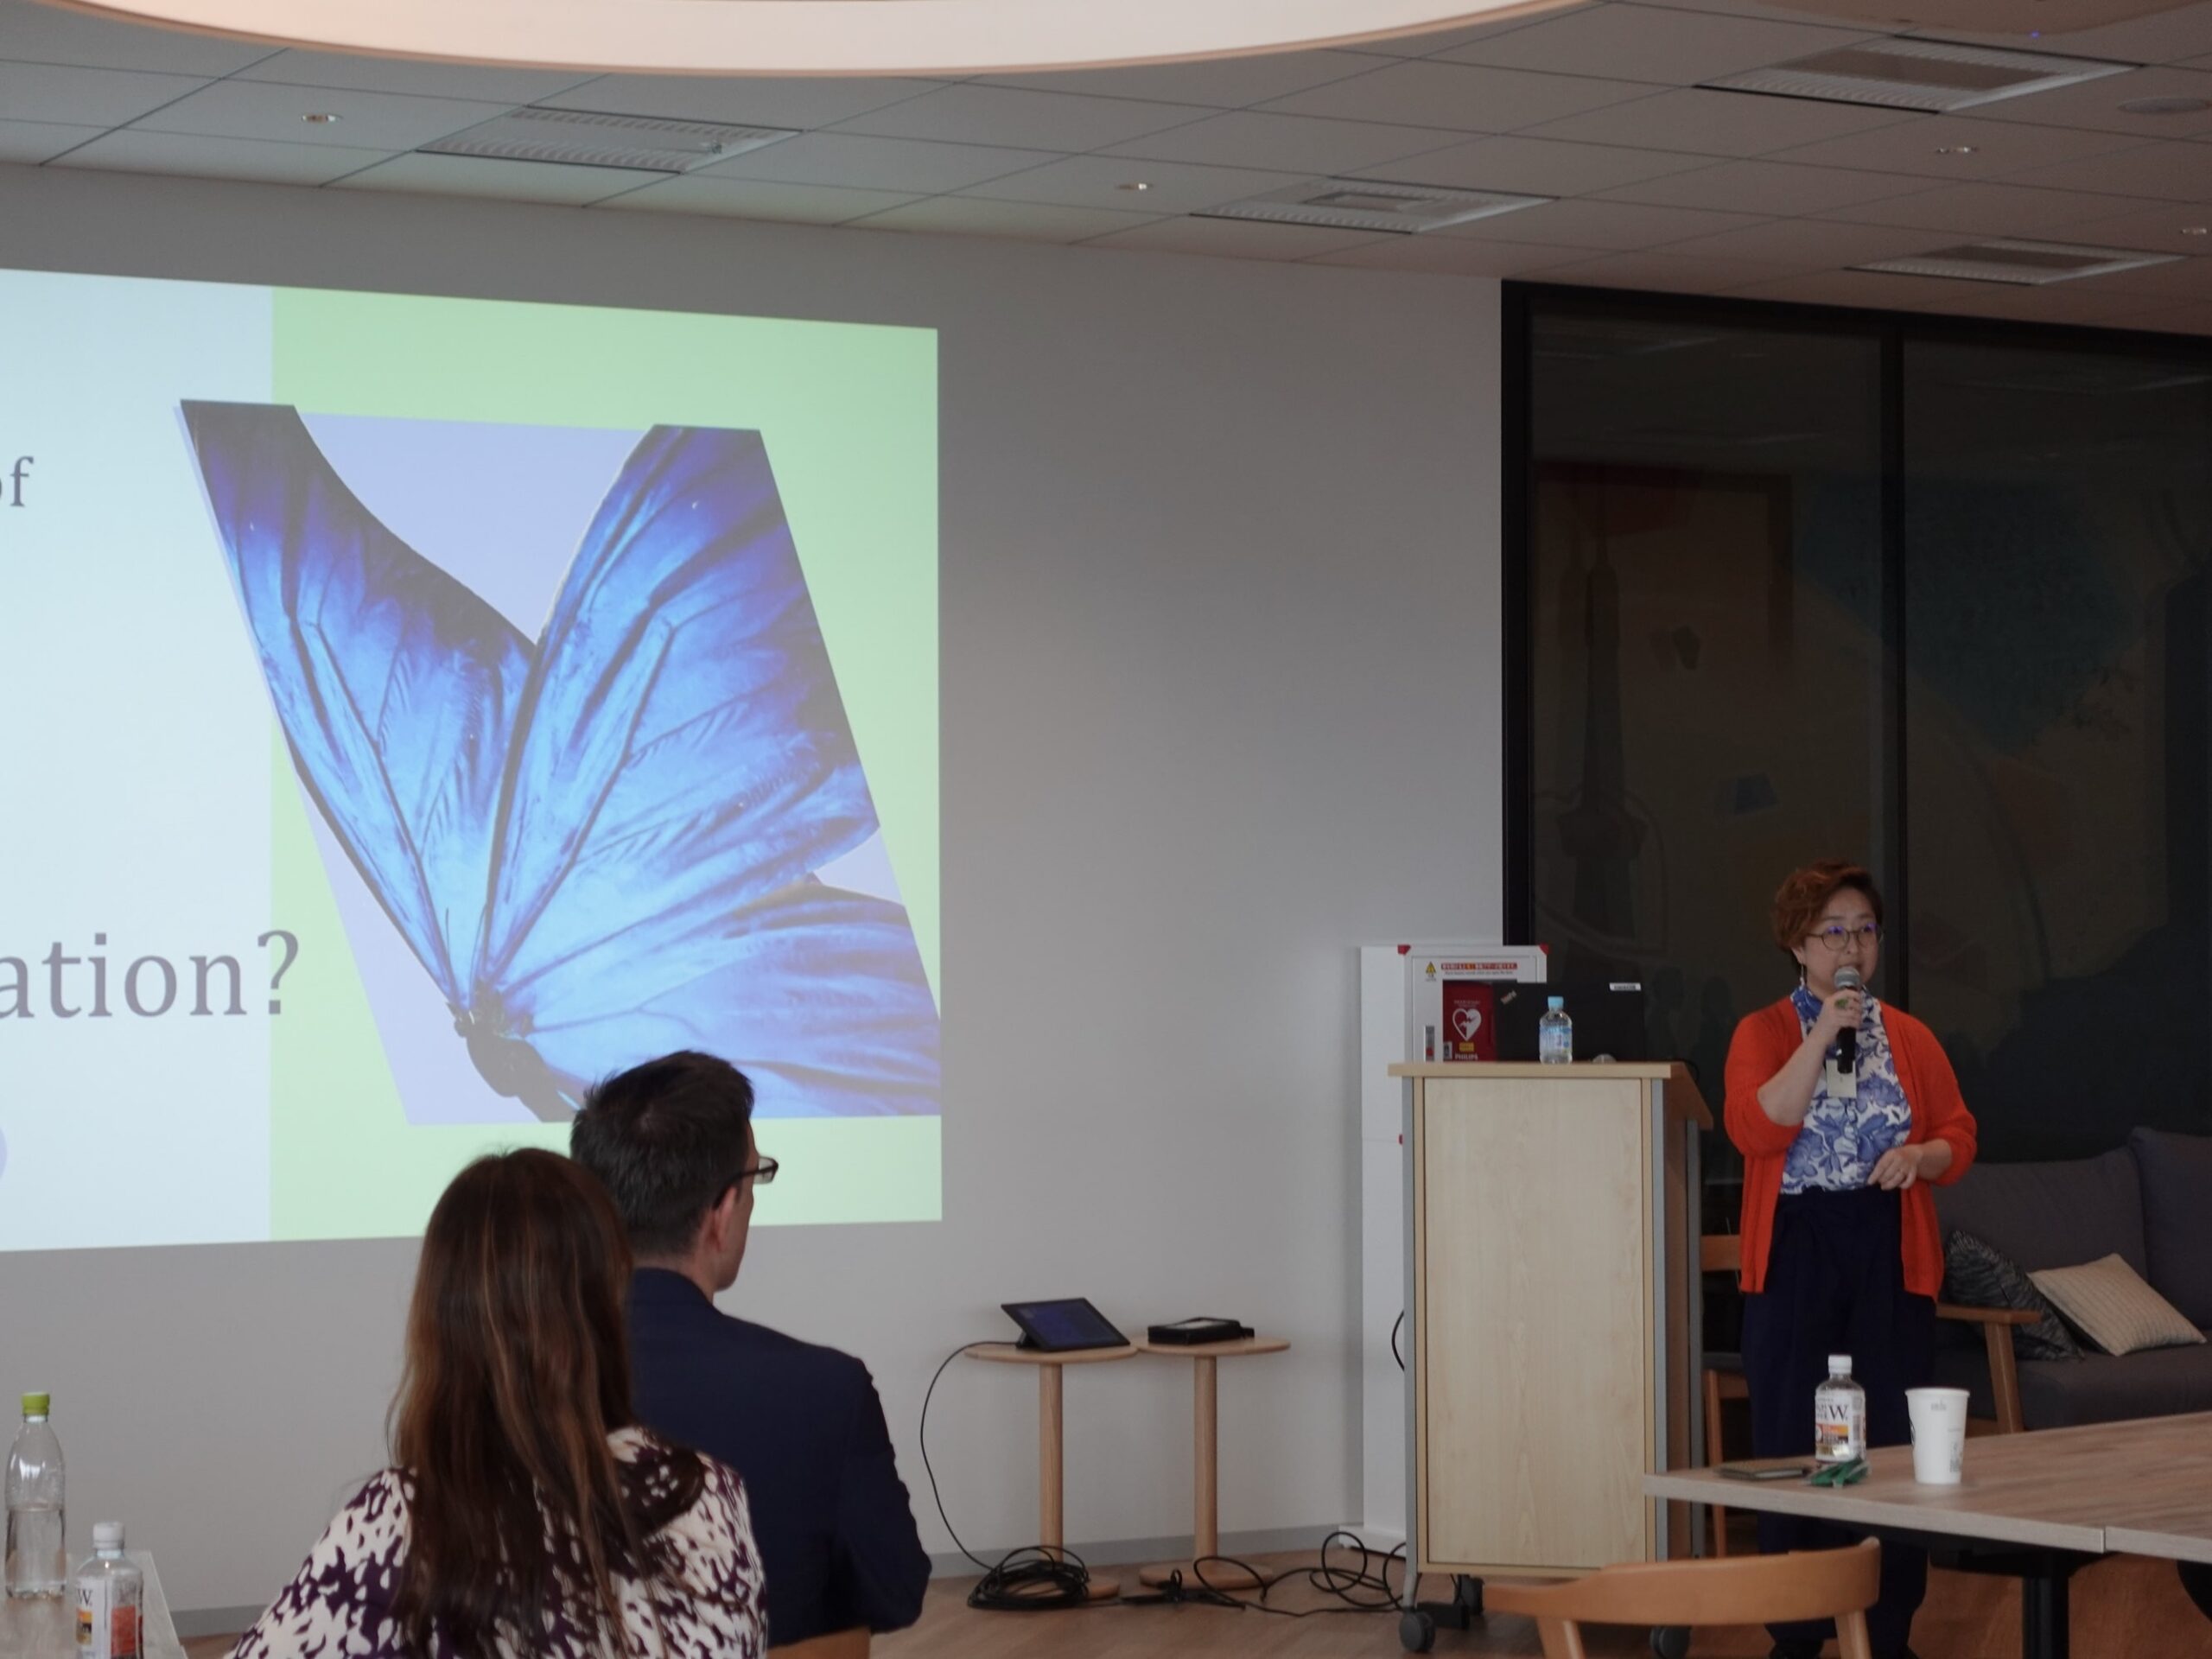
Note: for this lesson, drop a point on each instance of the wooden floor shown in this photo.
(2124, 1608)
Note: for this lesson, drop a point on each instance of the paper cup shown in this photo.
(1939, 1435)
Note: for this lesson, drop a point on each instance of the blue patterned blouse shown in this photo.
(1840, 1140)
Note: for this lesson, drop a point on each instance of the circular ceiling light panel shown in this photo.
(813, 37)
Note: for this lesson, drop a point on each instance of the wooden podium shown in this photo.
(1551, 1314)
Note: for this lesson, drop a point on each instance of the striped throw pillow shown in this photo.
(2109, 1303)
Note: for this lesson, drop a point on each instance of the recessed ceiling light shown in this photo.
(1956, 149)
(321, 118)
(1133, 184)
(2196, 230)
(2165, 105)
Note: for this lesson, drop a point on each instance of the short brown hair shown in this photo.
(1805, 894)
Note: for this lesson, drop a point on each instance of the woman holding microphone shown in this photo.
(1844, 1109)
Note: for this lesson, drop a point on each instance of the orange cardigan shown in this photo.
(1763, 1043)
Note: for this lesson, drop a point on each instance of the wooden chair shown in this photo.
(838, 1645)
(1724, 1373)
(1838, 1584)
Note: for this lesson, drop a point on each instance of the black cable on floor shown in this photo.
(1028, 1581)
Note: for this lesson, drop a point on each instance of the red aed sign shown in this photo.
(1469, 1032)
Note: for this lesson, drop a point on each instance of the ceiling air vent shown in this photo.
(585, 139)
(1908, 74)
(1365, 204)
(2032, 263)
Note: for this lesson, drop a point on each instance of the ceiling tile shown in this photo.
(2172, 172)
(1024, 120)
(1879, 289)
(257, 109)
(2095, 104)
(2000, 148)
(31, 142)
(135, 150)
(2079, 303)
(480, 176)
(1451, 255)
(1536, 167)
(1234, 239)
(2175, 320)
(2166, 37)
(1665, 270)
(1760, 12)
(2156, 228)
(908, 166)
(89, 97)
(777, 101)
(2178, 279)
(800, 204)
(1218, 83)
(1458, 96)
(1432, 42)
(1768, 187)
(1020, 220)
(481, 82)
(1982, 209)
(1719, 124)
(1292, 143)
(1645, 43)
(1587, 224)
(31, 33)
(1174, 187)
(1812, 244)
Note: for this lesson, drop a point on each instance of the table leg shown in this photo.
(1205, 1489)
(1051, 1535)
(1206, 1458)
(2045, 1625)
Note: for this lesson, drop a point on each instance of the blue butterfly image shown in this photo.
(603, 845)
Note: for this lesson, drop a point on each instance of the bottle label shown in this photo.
(1839, 1435)
(108, 1625)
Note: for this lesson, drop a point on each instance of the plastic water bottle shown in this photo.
(1838, 1415)
(110, 1599)
(1556, 1033)
(36, 1566)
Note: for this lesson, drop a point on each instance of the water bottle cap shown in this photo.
(1555, 1003)
(1838, 1365)
(107, 1535)
(37, 1405)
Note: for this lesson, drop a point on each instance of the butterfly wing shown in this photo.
(396, 686)
(683, 767)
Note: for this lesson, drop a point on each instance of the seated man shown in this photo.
(673, 1141)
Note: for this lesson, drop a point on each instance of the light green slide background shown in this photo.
(848, 414)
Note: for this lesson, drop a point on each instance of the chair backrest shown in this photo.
(838, 1645)
(1720, 1253)
(1740, 1590)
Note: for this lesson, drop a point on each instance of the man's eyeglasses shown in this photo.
(760, 1174)
(1836, 936)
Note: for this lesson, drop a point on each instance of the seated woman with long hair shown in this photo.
(526, 1513)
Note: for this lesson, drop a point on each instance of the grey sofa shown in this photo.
(2149, 1202)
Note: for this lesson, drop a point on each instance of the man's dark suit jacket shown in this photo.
(804, 1428)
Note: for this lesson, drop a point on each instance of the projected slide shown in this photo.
(424, 708)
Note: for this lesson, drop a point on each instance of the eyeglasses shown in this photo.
(1836, 936)
(760, 1174)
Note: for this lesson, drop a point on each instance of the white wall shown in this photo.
(1220, 702)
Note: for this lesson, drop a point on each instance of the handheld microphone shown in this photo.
(1846, 1048)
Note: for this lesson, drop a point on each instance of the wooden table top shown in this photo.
(1213, 1349)
(1013, 1353)
(48, 1630)
(2149, 1480)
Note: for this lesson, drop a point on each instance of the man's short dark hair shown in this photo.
(666, 1139)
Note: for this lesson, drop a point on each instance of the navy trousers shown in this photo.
(1835, 1285)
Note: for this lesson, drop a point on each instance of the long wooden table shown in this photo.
(48, 1629)
(2033, 1506)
